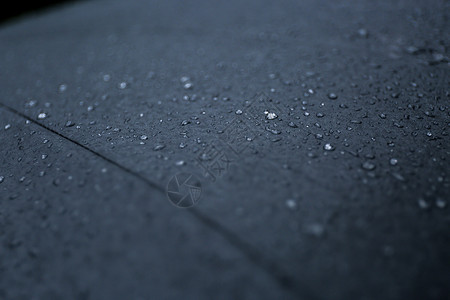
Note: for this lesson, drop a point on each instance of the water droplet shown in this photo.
(273, 131)
(238, 112)
(122, 85)
(332, 96)
(106, 77)
(362, 32)
(188, 86)
(180, 163)
(368, 166)
(182, 145)
(184, 79)
(270, 115)
(44, 156)
(31, 103)
(7, 126)
(144, 137)
(312, 155)
(440, 203)
(292, 124)
(315, 229)
(398, 176)
(70, 124)
(393, 161)
(291, 204)
(42, 116)
(185, 122)
(62, 88)
(328, 147)
(423, 204)
(159, 147)
(2, 178)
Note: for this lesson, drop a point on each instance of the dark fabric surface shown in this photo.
(343, 195)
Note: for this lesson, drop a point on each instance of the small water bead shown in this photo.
(122, 85)
(332, 96)
(273, 131)
(315, 229)
(159, 147)
(320, 115)
(291, 204)
(62, 88)
(7, 126)
(328, 147)
(69, 124)
(44, 156)
(270, 115)
(398, 176)
(440, 203)
(292, 124)
(368, 166)
(182, 145)
(180, 163)
(2, 178)
(188, 86)
(238, 112)
(185, 122)
(184, 79)
(144, 137)
(106, 77)
(393, 161)
(31, 103)
(362, 32)
(422, 203)
(312, 155)
(42, 116)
